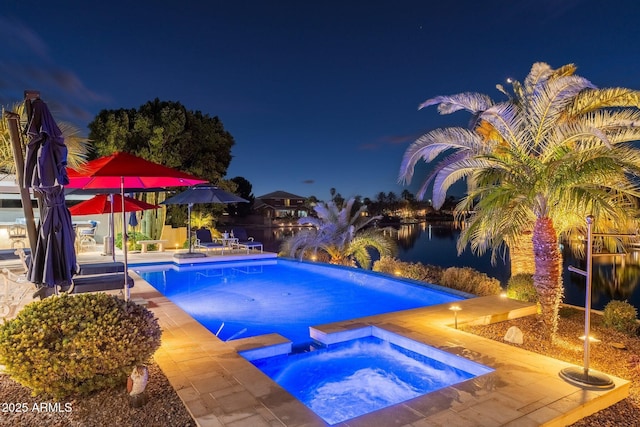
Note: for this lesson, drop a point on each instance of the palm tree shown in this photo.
(338, 234)
(77, 146)
(536, 165)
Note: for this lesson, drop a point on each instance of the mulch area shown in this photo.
(605, 356)
(109, 407)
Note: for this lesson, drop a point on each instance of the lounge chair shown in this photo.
(205, 240)
(244, 241)
(91, 277)
(99, 282)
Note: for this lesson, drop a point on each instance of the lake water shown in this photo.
(435, 244)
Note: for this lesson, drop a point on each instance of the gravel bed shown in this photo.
(605, 356)
(105, 408)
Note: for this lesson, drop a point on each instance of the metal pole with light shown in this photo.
(577, 376)
(455, 308)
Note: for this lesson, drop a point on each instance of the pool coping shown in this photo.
(219, 387)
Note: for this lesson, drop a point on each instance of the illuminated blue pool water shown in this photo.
(244, 299)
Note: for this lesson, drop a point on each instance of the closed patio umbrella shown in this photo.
(53, 260)
(202, 194)
(126, 171)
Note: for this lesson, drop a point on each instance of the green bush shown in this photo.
(521, 288)
(463, 279)
(415, 271)
(75, 344)
(468, 280)
(621, 316)
(133, 238)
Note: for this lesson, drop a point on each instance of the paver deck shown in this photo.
(220, 388)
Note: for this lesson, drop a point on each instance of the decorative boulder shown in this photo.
(513, 335)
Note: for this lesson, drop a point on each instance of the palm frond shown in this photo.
(595, 99)
(434, 143)
(470, 101)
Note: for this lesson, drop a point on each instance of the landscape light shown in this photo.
(591, 338)
(455, 308)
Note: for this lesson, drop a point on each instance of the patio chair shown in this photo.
(87, 236)
(17, 235)
(205, 240)
(244, 241)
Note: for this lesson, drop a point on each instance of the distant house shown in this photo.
(281, 205)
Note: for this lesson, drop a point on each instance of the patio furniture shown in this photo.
(100, 268)
(87, 236)
(15, 289)
(146, 243)
(17, 235)
(99, 282)
(244, 241)
(204, 240)
(227, 242)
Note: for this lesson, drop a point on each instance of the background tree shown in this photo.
(166, 132)
(536, 165)
(77, 146)
(244, 190)
(336, 197)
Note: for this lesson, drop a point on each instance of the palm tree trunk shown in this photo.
(521, 255)
(547, 278)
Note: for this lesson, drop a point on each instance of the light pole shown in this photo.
(577, 376)
(455, 308)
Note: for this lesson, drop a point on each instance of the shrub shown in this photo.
(468, 280)
(133, 238)
(75, 344)
(463, 279)
(621, 316)
(415, 271)
(521, 288)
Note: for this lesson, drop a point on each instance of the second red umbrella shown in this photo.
(101, 204)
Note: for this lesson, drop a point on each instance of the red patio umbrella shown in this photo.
(101, 204)
(126, 171)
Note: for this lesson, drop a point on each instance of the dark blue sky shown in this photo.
(316, 94)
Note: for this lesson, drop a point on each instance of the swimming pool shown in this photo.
(244, 299)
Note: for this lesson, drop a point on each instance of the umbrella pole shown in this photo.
(112, 243)
(124, 242)
(189, 226)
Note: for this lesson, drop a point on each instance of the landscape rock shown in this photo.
(514, 335)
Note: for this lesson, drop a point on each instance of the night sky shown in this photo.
(317, 94)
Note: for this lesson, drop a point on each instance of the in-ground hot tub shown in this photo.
(362, 371)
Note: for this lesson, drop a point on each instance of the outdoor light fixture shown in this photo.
(577, 376)
(455, 308)
(503, 294)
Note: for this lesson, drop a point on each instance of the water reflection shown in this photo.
(614, 277)
(434, 243)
